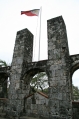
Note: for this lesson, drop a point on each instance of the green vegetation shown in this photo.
(3, 63)
(75, 92)
(39, 82)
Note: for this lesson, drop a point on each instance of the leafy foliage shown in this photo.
(40, 81)
(75, 92)
(3, 63)
(3, 83)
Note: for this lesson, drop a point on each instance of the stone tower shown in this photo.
(59, 70)
(57, 67)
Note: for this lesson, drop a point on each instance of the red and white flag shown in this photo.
(34, 12)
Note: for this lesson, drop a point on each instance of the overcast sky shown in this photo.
(11, 21)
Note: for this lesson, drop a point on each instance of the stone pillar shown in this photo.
(59, 70)
(22, 54)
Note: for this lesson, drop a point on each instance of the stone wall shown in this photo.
(75, 107)
(36, 105)
(22, 54)
(4, 74)
(74, 60)
(57, 68)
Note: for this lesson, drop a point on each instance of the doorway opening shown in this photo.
(75, 85)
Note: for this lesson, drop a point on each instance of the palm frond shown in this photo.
(3, 63)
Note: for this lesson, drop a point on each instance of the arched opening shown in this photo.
(39, 82)
(3, 85)
(75, 89)
(75, 80)
(75, 85)
(36, 84)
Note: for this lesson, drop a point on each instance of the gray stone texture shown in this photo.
(58, 52)
(22, 55)
(59, 68)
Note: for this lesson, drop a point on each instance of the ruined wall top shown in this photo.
(57, 39)
(23, 49)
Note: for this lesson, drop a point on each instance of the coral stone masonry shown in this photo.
(59, 68)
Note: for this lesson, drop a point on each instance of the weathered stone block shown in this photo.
(57, 67)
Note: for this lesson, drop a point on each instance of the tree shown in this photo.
(75, 92)
(39, 82)
(5, 84)
(3, 63)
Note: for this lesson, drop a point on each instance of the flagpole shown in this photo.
(39, 33)
(34, 41)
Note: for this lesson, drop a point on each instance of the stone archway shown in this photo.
(30, 73)
(4, 82)
(57, 68)
(28, 76)
(35, 101)
(75, 66)
(4, 74)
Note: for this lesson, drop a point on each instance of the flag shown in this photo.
(34, 12)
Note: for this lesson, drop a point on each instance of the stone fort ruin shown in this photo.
(59, 68)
